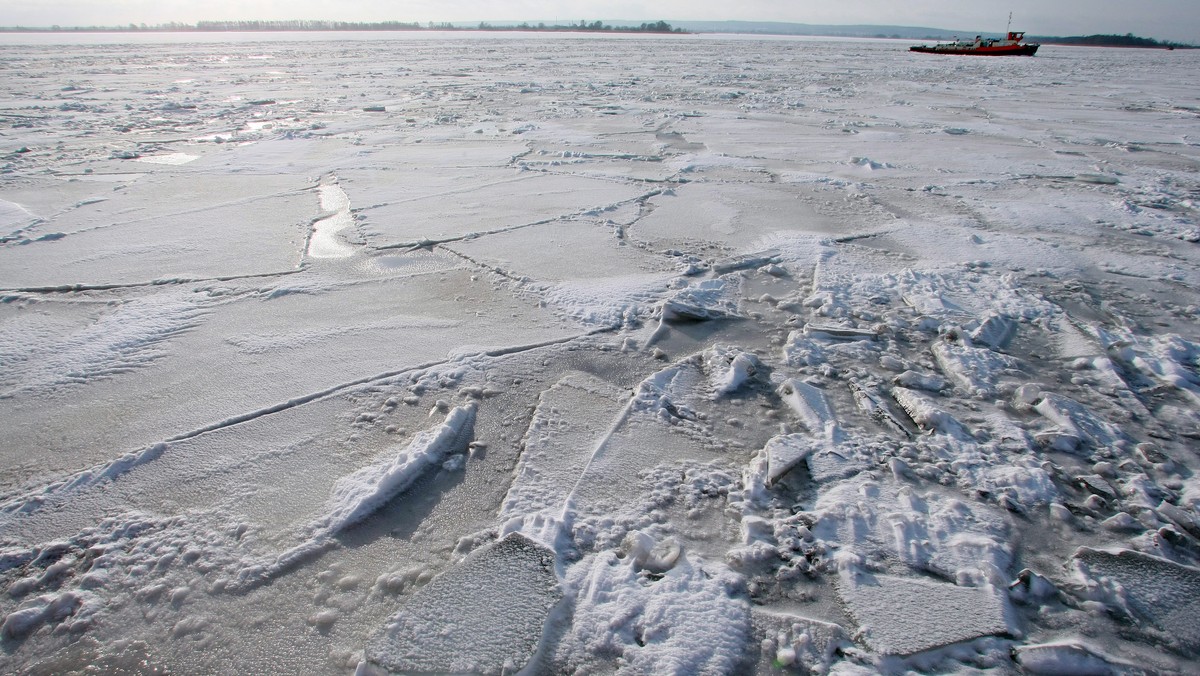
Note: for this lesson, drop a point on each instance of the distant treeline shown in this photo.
(301, 25)
(1127, 40)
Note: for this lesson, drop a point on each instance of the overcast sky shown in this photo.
(1163, 19)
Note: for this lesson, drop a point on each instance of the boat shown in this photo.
(1012, 45)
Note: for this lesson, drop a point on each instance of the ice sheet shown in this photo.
(593, 353)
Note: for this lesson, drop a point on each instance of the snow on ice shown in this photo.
(500, 353)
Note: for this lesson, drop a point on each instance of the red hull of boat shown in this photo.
(1017, 50)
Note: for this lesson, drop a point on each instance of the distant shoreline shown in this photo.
(659, 27)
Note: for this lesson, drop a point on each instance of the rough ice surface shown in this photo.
(502, 352)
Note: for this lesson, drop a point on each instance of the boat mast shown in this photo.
(1009, 29)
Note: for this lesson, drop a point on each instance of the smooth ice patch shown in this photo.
(169, 159)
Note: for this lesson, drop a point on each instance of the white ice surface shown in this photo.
(595, 353)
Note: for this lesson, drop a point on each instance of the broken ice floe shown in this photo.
(1162, 593)
(977, 370)
(903, 616)
(487, 614)
(878, 521)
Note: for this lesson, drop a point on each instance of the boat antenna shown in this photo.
(1009, 29)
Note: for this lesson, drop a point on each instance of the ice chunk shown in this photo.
(928, 415)
(810, 404)
(801, 351)
(927, 531)
(920, 381)
(1162, 592)
(485, 615)
(649, 554)
(873, 405)
(902, 616)
(994, 331)
(709, 299)
(835, 332)
(358, 495)
(728, 368)
(784, 452)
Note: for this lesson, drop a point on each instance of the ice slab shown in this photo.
(927, 531)
(978, 370)
(1164, 593)
(904, 616)
(571, 418)
(658, 426)
(812, 407)
(1077, 420)
(733, 214)
(211, 226)
(481, 202)
(486, 615)
(927, 414)
(784, 452)
(569, 250)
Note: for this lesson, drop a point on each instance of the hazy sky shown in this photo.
(1164, 19)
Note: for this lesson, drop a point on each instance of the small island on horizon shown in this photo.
(657, 27)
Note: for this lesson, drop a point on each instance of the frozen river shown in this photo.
(573, 354)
